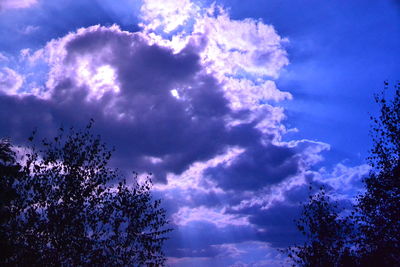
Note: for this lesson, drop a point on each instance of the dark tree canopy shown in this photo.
(66, 207)
(328, 235)
(370, 236)
(10, 171)
(379, 206)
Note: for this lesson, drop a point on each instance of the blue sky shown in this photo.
(340, 52)
(235, 106)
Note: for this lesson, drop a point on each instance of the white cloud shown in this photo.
(246, 45)
(245, 55)
(89, 70)
(310, 151)
(241, 54)
(100, 80)
(193, 177)
(3, 57)
(245, 93)
(30, 29)
(166, 15)
(10, 81)
(186, 215)
(345, 181)
(15, 4)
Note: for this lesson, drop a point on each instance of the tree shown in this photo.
(70, 208)
(327, 235)
(10, 171)
(370, 236)
(378, 207)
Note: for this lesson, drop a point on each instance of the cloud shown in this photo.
(16, 4)
(247, 93)
(107, 73)
(266, 164)
(192, 237)
(186, 215)
(30, 29)
(230, 49)
(234, 46)
(113, 74)
(277, 224)
(125, 83)
(257, 167)
(10, 81)
(3, 57)
(343, 181)
(165, 15)
(244, 254)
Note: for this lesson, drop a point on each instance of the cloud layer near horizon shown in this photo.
(191, 98)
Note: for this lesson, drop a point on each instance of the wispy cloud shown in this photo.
(16, 4)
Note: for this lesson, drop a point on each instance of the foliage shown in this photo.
(378, 207)
(68, 208)
(9, 170)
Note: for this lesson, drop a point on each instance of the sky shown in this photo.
(234, 106)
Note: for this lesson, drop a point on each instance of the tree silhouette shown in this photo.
(378, 207)
(370, 236)
(328, 235)
(67, 208)
(10, 171)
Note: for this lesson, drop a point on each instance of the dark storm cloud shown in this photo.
(275, 224)
(257, 167)
(154, 123)
(151, 129)
(279, 225)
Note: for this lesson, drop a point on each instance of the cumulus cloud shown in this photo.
(116, 74)
(235, 46)
(166, 15)
(344, 181)
(10, 81)
(125, 83)
(239, 53)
